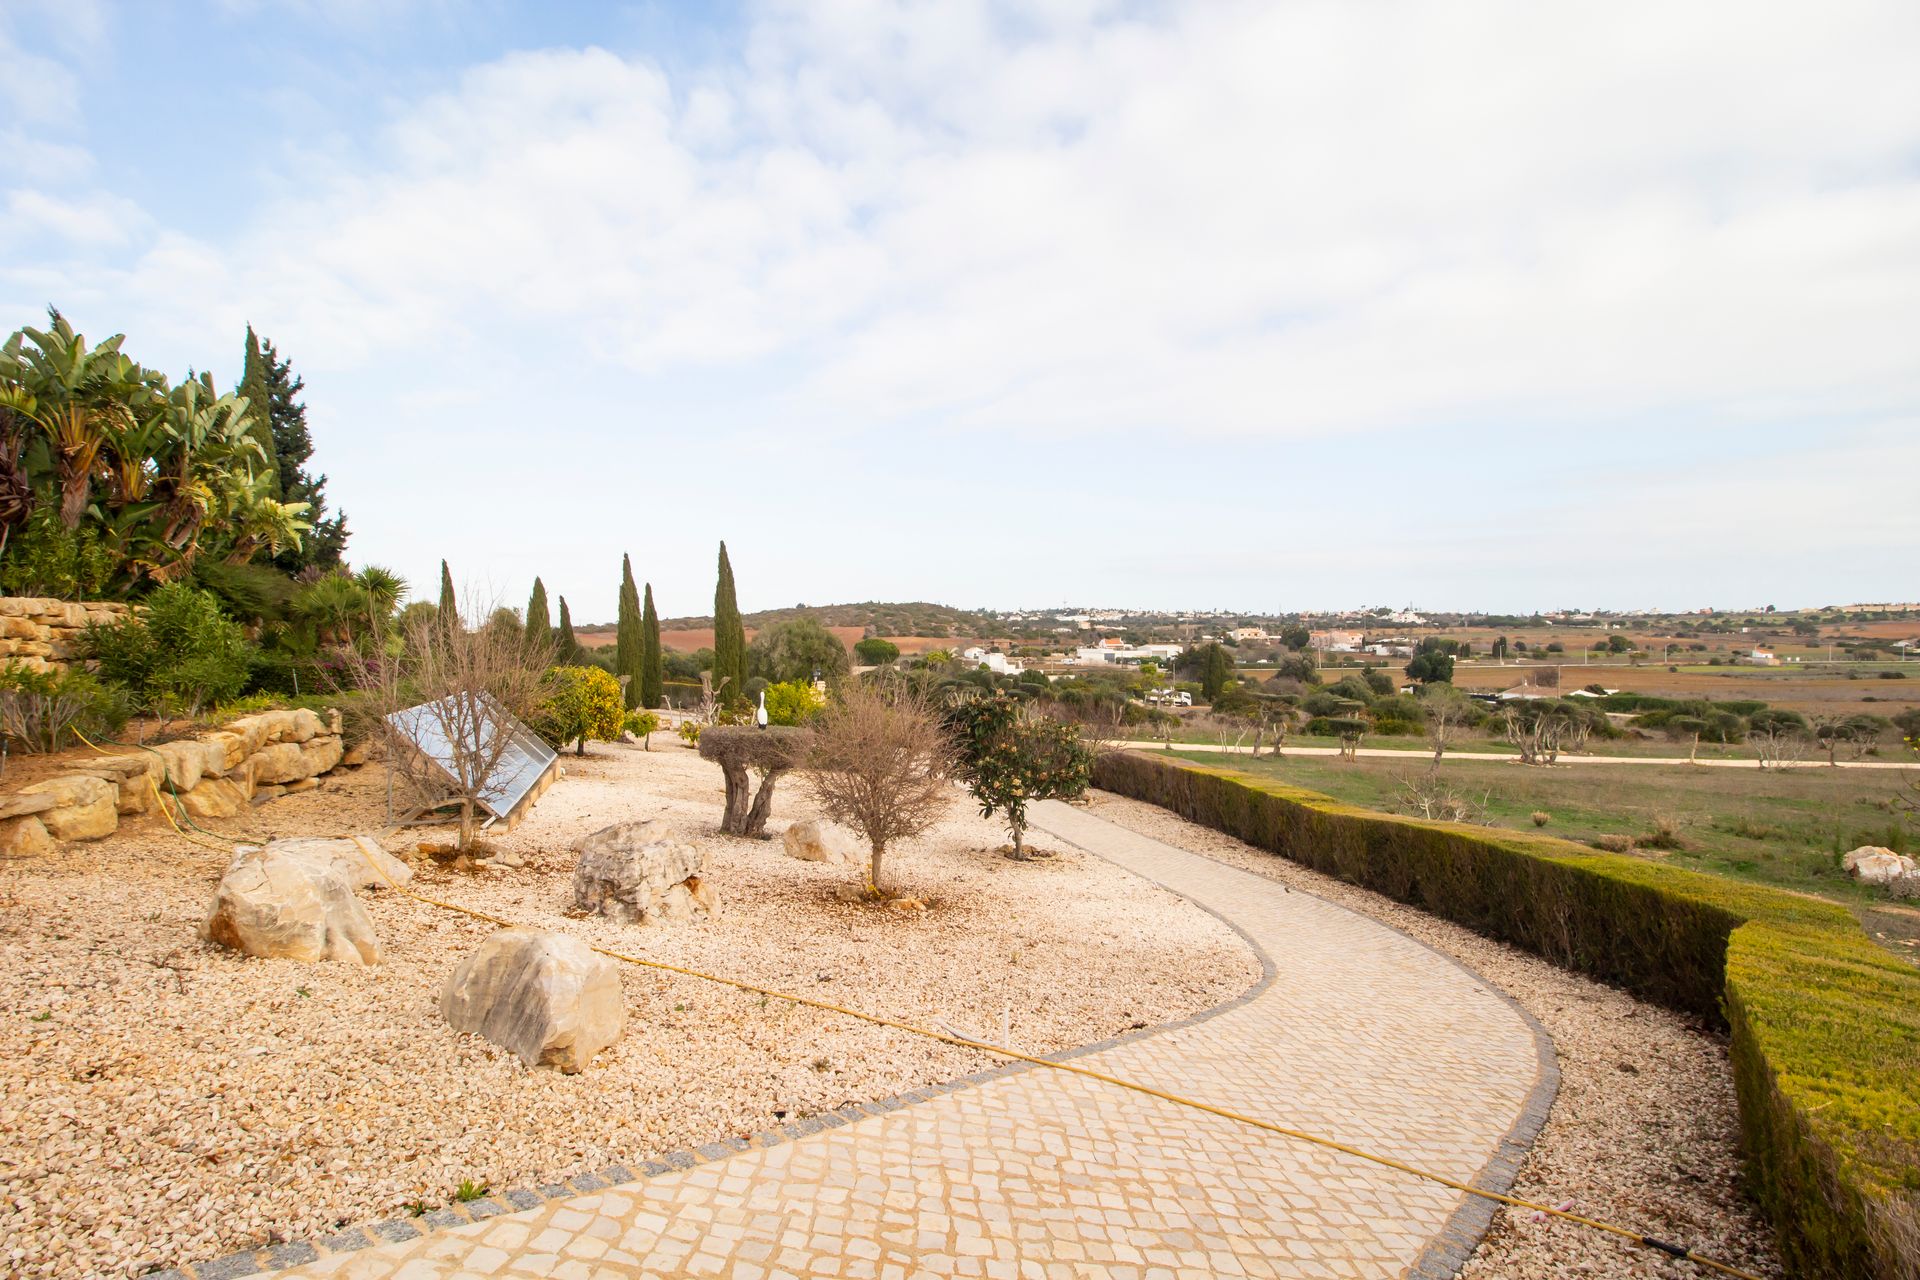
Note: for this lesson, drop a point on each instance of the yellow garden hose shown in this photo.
(963, 1042)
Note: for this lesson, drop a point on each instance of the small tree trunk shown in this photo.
(580, 747)
(1693, 750)
(466, 824)
(756, 819)
(1019, 829)
(733, 820)
(879, 851)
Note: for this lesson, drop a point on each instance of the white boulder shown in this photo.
(641, 872)
(544, 996)
(359, 859)
(1875, 864)
(814, 841)
(291, 904)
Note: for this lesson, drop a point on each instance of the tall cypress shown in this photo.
(253, 385)
(652, 661)
(568, 644)
(729, 637)
(449, 613)
(627, 643)
(539, 622)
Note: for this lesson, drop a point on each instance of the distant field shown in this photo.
(687, 639)
(1781, 828)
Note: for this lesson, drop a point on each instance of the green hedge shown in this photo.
(1824, 1025)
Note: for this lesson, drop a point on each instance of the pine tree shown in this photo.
(253, 385)
(729, 637)
(449, 611)
(652, 661)
(539, 623)
(326, 542)
(570, 652)
(627, 639)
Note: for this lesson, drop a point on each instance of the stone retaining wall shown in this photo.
(41, 634)
(214, 775)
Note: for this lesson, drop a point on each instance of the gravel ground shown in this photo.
(167, 1101)
(1644, 1131)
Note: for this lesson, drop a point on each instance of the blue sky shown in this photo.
(1260, 306)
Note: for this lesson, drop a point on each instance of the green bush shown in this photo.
(793, 702)
(1824, 1025)
(45, 558)
(584, 703)
(40, 710)
(176, 655)
(876, 652)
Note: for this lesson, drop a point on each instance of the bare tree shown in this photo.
(1448, 714)
(461, 696)
(1538, 729)
(1778, 745)
(1439, 801)
(882, 764)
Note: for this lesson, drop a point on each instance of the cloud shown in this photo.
(1245, 224)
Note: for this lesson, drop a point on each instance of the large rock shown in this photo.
(359, 859)
(281, 762)
(85, 808)
(321, 753)
(291, 904)
(21, 803)
(640, 872)
(813, 841)
(215, 798)
(185, 762)
(544, 996)
(1874, 864)
(24, 837)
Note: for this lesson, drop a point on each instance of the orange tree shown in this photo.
(1010, 757)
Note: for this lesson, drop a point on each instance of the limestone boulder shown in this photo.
(85, 807)
(544, 996)
(360, 859)
(281, 762)
(640, 872)
(185, 762)
(320, 754)
(22, 804)
(1875, 864)
(24, 837)
(290, 904)
(215, 798)
(813, 841)
(305, 725)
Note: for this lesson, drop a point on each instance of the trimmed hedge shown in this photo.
(1824, 1024)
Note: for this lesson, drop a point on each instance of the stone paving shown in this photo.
(1358, 1033)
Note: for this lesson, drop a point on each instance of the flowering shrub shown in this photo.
(793, 702)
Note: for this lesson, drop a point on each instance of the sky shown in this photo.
(1271, 306)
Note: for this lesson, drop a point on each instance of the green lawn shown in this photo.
(1779, 828)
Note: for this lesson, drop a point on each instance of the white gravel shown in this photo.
(1644, 1131)
(166, 1101)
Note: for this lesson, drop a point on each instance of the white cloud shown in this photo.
(1245, 222)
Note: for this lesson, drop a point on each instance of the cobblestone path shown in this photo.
(1357, 1032)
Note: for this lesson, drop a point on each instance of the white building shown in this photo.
(1762, 658)
(1116, 653)
(998, 663)
(1248, 633)
(1336, 641)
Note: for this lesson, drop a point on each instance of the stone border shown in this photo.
(1462, 1232)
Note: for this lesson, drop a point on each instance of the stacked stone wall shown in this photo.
(214, 775)
(43, 635)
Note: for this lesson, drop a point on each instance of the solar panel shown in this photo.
(474, 720)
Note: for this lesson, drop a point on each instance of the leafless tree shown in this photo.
(1448, 714)
(882, 764)
(1439, 801)
(1539, 729)
(1778, 745)
(467, 691)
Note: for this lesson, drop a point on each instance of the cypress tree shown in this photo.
(539, 623)
(627, 642)
(568, 645)
(652, 661)
(729, 637)
(449, 612)
(326, 542)
(253, 385)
